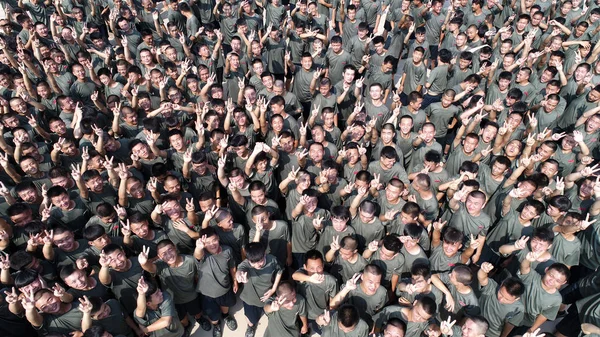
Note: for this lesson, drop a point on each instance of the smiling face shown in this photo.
(77, 280)
(48, 304)
(64, 241)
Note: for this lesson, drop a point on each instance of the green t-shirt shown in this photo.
(259, 280)
(496, 313)
(181, 280)
(538, 301)
(165, 309)
(213, 272)
(282, 323)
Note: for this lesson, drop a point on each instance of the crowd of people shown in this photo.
(342, 167)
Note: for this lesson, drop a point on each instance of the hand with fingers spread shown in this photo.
(201, 242)
(277, 303)
(352, 283)
(142, 286)
(143, 257)
(11, 297)
(189, 205)
(318, 222)
(584, 224)
(521, 243)
(28, 301)
(211, 212)
(241, 276)
(335, 243)
(446, 326)
(125, 228)
(85, 306)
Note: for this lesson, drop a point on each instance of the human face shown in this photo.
(549, 169)
(258, 196)
(498, 169)
(311, 205)
(141, 150)
(580, 73)
(419, 315)
(470, 144)
(586, 189)
(287, 144)
(339, 224)
(64, 241)
(314, 266)
(451, 248)
(522, 24)
(514, 120)
(62, 201)
(385, 254)
(136, 189)
(347, 254)
(22, 219)
(528, 213)
(375, 92)
(77, 280)
(370, 283)
(96, 184)
(48, 304)
(336, 47)
(428, 133)
(387, 163)
(130, 117)
(172, 186)
(168, 254)
(474, 205)
(29, 195)
(140, 229)
(306, 63)
(553, 279)
(513, 148)
(416, 105)
(172, 209)
(176, 142)
(18, 105)
(259, 264)
(545, 151)
(504, 297)
(539, 246)
(470, 329)
(118, 260)
(227, 223)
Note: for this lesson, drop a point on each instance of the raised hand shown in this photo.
(11, 297)
(584, 224)
(335, 243)
(143, 257)
(241, 276)
(487, 267)
(125, 228)
(189, 205)
(201, 242)
(85, 305)
(521, 243)
(142, 286)
(352, 283)
(446, 326)
(277, 303)
(373, 246)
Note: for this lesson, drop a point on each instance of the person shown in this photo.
(155, 311)
(218, 284)
(260, 273)
(179, 273)
(500, 305)
(316, 286)
(287, 130)
(346, 320)
(284, 310)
